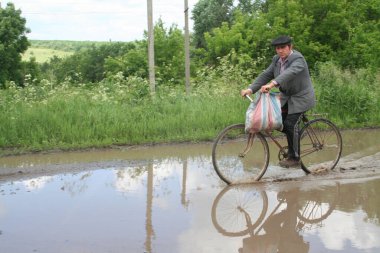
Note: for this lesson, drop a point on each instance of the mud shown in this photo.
(348, 167)
(360, 158)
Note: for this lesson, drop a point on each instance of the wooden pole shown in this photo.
(187, 49)
(152, 77)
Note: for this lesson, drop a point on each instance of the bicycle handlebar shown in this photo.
(250, 99)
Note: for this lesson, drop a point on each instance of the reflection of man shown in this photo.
(280, 231)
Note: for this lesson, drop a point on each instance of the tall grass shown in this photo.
(80, 118)
(120, 111)
(351, 98)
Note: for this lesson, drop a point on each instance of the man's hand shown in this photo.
(266, 88)
(246, 92)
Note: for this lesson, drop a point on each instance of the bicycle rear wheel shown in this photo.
(320, 146)
(239, 157)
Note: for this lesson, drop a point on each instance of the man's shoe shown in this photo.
(289, 163)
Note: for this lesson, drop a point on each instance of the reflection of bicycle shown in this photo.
(243, 210)
(240, 157)
(239, 209)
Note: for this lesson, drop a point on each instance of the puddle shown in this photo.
(169, 199)
(328, 218)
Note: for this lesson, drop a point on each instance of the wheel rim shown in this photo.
(320, 146)
(229, 163)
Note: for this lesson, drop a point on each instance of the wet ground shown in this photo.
(169, 199)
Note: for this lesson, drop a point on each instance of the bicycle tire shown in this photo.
(320, 146)
(231, 207)
(228, 160)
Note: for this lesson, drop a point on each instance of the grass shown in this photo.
(76, 123)
(45, 115)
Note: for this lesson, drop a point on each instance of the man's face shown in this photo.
(283, 51)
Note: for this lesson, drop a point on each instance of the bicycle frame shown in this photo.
(317, 144)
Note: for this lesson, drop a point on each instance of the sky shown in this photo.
(97, 20)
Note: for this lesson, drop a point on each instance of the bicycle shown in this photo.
(240, 157)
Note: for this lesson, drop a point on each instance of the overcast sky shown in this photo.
(97, 20)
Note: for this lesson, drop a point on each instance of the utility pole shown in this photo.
(187, 49)
(152, 77)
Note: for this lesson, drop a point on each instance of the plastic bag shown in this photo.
(264, 113)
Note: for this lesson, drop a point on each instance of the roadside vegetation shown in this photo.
(98, 94)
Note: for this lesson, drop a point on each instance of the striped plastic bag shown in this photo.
(264, 113)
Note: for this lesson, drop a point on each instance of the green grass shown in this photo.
(44, 54)
(77, 123)
(120, 111)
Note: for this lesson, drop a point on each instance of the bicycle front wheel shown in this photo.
(320, 146)
(239, 157)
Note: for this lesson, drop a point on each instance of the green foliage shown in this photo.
(119, 110)
(86, 65)
(209, 14)
(350, 98)
(228, 77)
(133, 62)
(66, 45)
(130, 58)
(13, 43)
(168, 55)
(347, 33)
(50, 116)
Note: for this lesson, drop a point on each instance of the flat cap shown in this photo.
(282, 40)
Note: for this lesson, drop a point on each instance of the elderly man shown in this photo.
(290, 73)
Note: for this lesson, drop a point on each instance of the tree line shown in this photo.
(346, 33)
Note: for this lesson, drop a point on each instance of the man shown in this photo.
(290, 73)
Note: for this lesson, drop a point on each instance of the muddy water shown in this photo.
(168, 199)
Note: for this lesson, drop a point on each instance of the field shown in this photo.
(44, 54)
(43, 50)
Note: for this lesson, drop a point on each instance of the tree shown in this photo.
(13, 42)
(346, 32)
(168, 57)
(169, 54)
(209, 14)
(87, 65)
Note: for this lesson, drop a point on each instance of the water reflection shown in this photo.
(133, 208)
(298, 220)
